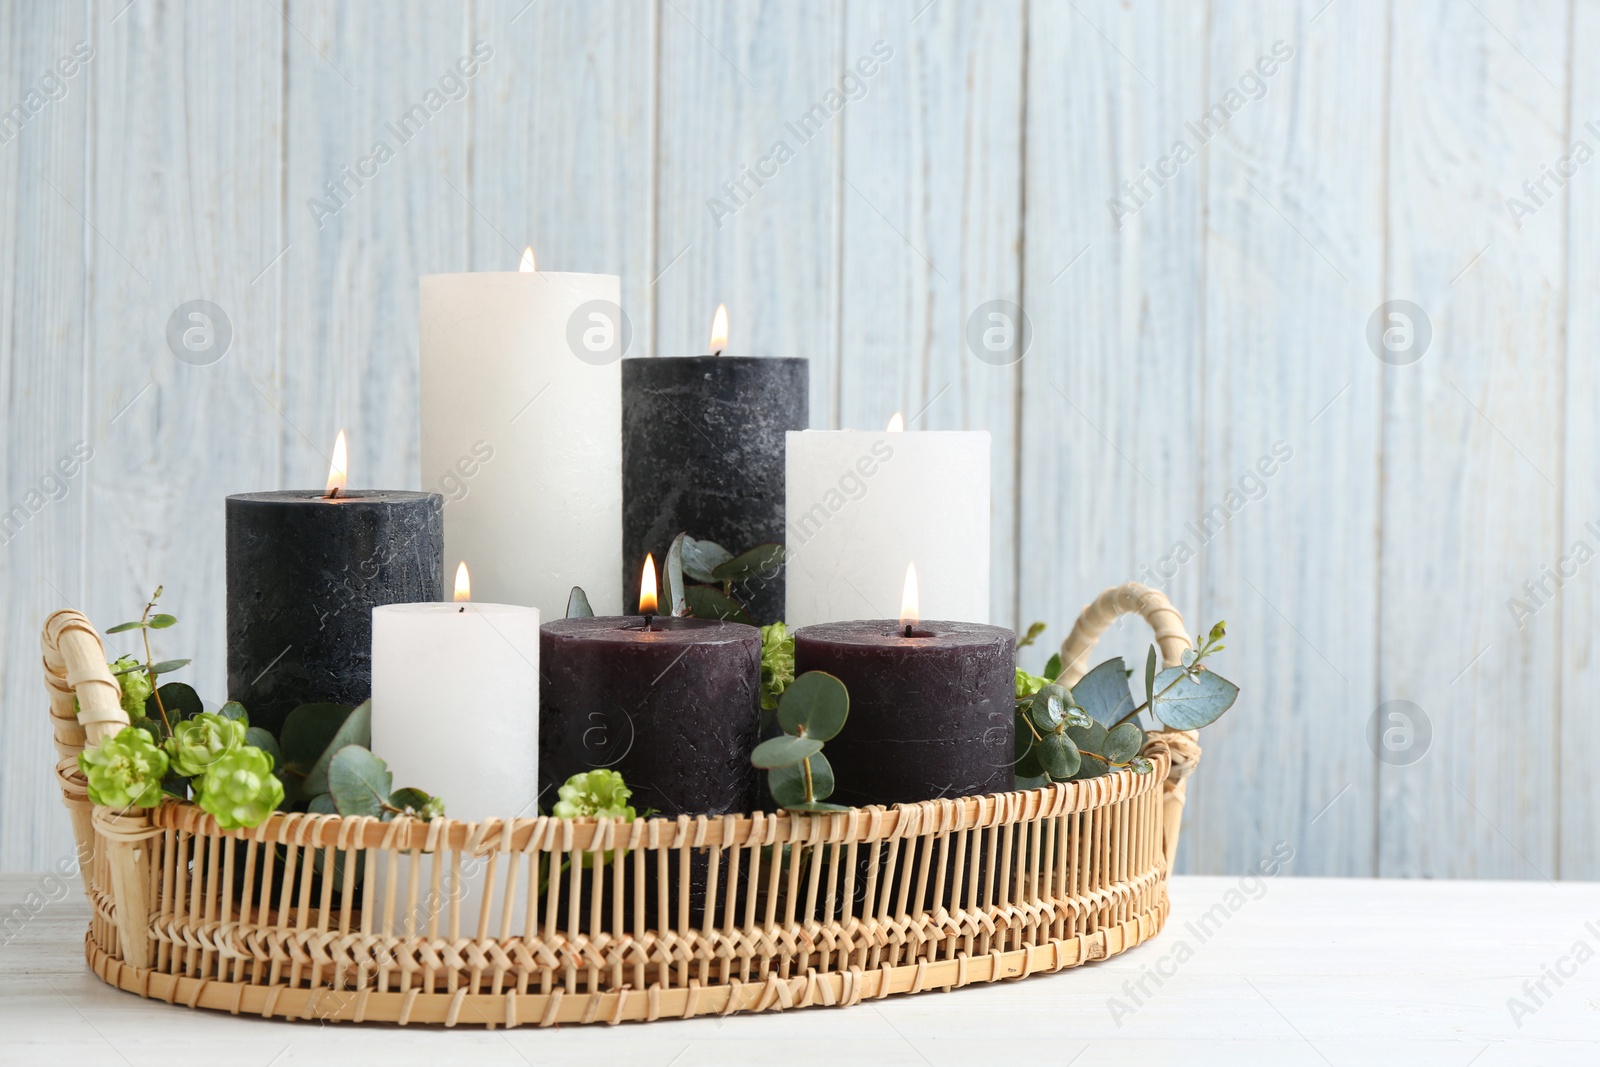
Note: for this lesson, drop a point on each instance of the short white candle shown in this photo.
(455, 704)
(522, 435)
(861, 505)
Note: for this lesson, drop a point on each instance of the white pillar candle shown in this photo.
(523, 434)
(455, 704)
(861, 505)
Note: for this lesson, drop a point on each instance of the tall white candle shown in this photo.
(455, 704)
(522, 431)
(861, 505)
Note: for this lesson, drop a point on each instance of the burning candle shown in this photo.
(702, 453)
(305, 569)
(672, 704)
(521, 429)
(860, 504)
(455, 701)
(930, 704)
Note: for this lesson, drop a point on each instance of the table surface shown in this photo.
(1277, 971)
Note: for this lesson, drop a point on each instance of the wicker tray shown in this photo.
(802, 910)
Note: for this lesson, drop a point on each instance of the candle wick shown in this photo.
(462, 610)
(908, 629)
(649, 620)
(332, 493)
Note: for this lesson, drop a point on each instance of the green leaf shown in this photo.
(306, 734)
(161, 622)
(322, 804)
(815, 705)
(709, 602)
(167, 666)
(672, 577)
(1140, 765)
(1058, 756)
(702, 558)
(1092, 766)
(1150, 676)
(1123, 742)
(1031, 636)
(235, 711)
(1091, 738)
(124, 627)
(128, 670)
(783, 750)
(180, 700)
(578, 604)
(788, 784)
(1189, 656)
(758, 561)
(262, 738)
(359, 782)
(1026, 764)
(1052, 666)
(356, 729)
(1104, 694)
(411, 800)
(1032, 781)
(1049, 707)
(1196, 701)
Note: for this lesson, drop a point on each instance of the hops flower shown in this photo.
(135, 687)
(124, 771)
(602, 794)
(197, 743)
(1029, 684)
(239, 788)
(777, 663)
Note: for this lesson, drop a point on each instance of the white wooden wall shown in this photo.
(1168, 356)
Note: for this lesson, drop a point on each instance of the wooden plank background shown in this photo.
(1210, 330)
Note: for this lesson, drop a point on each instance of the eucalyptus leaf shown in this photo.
(578, 604)
(1031, 636)
(1026, 764)
(306, 733)
(1032, 781)
(815, 705)
(322, 804)
(128, 670)
(161, 622)
(790, 782)
(410, 799)
(672, 577)
(235, 711)
(1191, 704)
(760, 561)
(709, 602)
(181, 702)
(818, 807)
(1140, 765)
(359, 782)
(1123, 742)
(1091, 738)
(1091, 767)
(1052, 666)
(1189, 656)
(1049, 707)
(784, 750)
(124, 627)
(1150, 677)
(1104, 693)
(1058, 755)
(701, 558)
(356, 729)
(262, 738)
(167, 666)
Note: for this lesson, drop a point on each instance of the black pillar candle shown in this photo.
(304, 573)
(703, 453)
(931, 715)
(673, 708)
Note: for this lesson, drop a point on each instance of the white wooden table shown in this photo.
(1285, 971)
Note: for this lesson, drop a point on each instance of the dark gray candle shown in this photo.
(304, 573)
(674, 708)
(703, 453)
(931, 715)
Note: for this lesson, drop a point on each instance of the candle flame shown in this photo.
(897, 423)
(647, 587)
(719, 330)
(338, 470)
(910, 614)
(463, 583)
(526, 266)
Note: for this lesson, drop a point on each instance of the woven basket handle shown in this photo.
(1181, 745)
(75, 664)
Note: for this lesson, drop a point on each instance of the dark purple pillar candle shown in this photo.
(703, 453)
(674, 709)
(930, 715)
(304, 573)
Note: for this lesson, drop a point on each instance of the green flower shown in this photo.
(199, 742)
(777, 663)
(601, 794)
(239, 789)
(135, 687)
(1029, 684)
(124, 771)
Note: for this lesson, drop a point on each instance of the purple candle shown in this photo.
(672, 704)
(931, 707)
